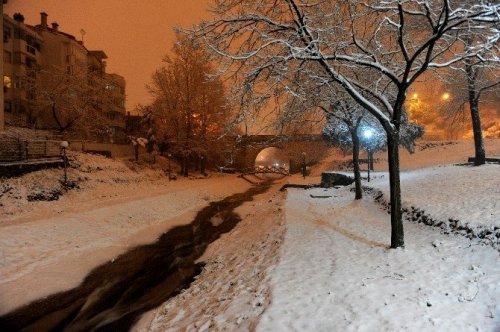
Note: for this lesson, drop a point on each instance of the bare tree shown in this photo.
(189, 100)
(343, 128)
(263, 44)
(473, 82)
(76, 101)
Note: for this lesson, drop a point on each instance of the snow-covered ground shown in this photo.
(310, 260)
(336, 273)
(465, 193)
(56, 243)
(234, 288)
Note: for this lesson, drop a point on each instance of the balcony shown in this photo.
(31, 49)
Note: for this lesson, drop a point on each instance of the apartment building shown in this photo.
(115, 87)
(38, 52)
(21, 55)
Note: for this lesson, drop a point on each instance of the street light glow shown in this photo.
(368, 133)
(446, 96)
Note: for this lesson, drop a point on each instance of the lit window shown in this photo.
(7, 82)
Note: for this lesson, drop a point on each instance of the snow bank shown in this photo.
(88, 175)
(464, 199)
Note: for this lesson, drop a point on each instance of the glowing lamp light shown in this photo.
(415, 95)
(446, 96)
(368, 133)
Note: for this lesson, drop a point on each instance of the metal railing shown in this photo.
(12, 149)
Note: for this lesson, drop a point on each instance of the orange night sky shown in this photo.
(135, 34)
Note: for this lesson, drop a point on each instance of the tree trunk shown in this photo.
(472, 72)
(480, 155)
(54, 115)
(397, 233)
(202, 165)
(355, 162)
(185, 162)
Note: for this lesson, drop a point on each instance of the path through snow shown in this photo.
(336, 273)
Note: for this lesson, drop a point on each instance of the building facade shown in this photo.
(37, 53)
(21, 57)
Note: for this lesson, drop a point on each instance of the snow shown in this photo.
(294, 262)
(465, 193)
(233, 290)
(336, 273)
(39, 240)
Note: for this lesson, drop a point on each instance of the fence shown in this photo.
(14, 149)
(113, 150)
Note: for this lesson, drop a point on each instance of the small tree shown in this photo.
(76, 101)
(350, 128)
(189, 102)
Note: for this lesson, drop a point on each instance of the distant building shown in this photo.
(133, 126)
(44, 49)
(116, 115)
(21, 53)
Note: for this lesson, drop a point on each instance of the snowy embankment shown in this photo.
(113, 208)
(460, 199)
(233, 289)
(336, 272)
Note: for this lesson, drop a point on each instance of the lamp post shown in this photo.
(64, 146)
(169, 169)
(368, 134)
(304, 170)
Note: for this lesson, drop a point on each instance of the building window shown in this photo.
(30, 49)
(7, 57)
(7, 106)
(18, 33)
(17, 58)
(7, 34)
(17, 84)
(7, 83)
(30, 63)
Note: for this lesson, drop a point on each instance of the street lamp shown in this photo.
(169, 169)
(368, 134)
(304, 170)
(64, 145)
